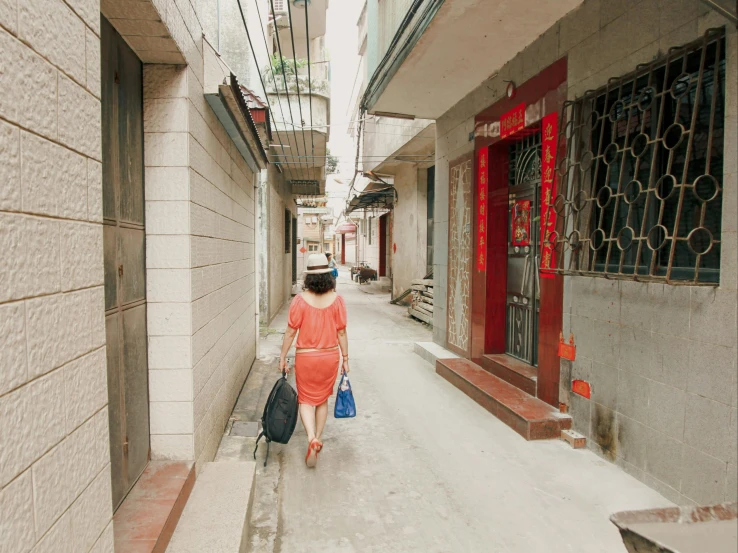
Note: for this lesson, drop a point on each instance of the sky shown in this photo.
(342, 45)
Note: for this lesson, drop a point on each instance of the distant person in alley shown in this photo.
(318, 318)
(332, 264)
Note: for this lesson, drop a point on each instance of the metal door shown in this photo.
(383, 245)
(431, 198)
(294, 250)
(523, 294)
(124, 259)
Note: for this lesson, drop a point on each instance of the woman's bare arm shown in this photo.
(343, 342)
(289, 337)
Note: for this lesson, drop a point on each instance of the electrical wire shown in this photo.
(256, 62)
(284, 73)
(310, 78)
(297, 80)
(276, 87)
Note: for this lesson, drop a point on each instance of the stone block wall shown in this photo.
(662, 360)
(410, 227)
(279, 283)
(200, 266)
(55, 491)
(55, 481)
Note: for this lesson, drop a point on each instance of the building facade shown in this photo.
(127, 228)
(398, 152)
(587, 189)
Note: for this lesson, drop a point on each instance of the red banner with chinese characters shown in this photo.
(482, 193)
(512, 121)
(549, 142)
(521, 223)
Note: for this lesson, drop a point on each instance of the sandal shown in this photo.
(311, 459)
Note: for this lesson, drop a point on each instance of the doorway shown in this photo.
(294, 250)
(124, 260)
(523, 284)
(383, 244)
(430, 209)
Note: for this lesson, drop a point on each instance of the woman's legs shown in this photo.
(307, 415)
(321, 415)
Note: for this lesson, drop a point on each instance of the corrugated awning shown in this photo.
(346, 228)
(377, 198)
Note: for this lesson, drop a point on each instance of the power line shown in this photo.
(310, 78)
(274, 80)
(284, 73)
(256, 62)
(297, 80)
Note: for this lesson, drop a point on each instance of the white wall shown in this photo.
(410, 227)
(200, 264)
(279, 282)
(54, 451)
(55, 482)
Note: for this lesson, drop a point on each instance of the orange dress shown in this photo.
(315, 371)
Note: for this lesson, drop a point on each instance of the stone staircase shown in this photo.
(506, 388)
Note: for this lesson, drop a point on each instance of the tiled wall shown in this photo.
(661, 359)
(280, 263)
(409, 228)
(200, 265)
(55, 489)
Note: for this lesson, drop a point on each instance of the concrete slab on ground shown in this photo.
(216, 517)
(432, 352)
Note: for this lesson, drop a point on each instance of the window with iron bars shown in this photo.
(640, 181)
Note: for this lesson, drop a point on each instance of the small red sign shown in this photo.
(303, 250)
(567, 351)
(512, 121)
(581, 387)
(549, 141)
(482, 192)
(521, 223)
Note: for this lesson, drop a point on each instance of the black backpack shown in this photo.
(280, 415)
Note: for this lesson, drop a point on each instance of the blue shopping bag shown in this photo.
(345, 405)
(334, 272)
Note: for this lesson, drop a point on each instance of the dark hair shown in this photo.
(320, 283)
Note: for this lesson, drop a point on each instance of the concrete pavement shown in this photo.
(422, 468)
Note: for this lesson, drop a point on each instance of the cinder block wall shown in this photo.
(55, 489)
(661, 359)
(279, 262)
(409, 228)
(200, 266)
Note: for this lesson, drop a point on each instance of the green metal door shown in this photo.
(125, 260)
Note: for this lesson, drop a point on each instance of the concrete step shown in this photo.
(528, 416)
(432, 352)
(217, 515)
(148, 516)
(511, 370)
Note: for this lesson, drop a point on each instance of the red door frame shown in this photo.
(383, 245)
(546, 91)
(343, 249)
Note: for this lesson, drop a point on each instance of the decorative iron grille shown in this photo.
(525, 161)
(641, 176)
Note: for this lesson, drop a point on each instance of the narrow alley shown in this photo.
(422, 467)
(530, 208)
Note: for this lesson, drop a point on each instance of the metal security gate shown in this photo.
(523, 287)
(124, 258)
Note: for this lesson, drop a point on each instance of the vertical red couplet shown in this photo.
(548, 194)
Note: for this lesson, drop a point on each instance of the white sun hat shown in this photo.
(317, 264)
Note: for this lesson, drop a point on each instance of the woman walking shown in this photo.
(318, 318)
